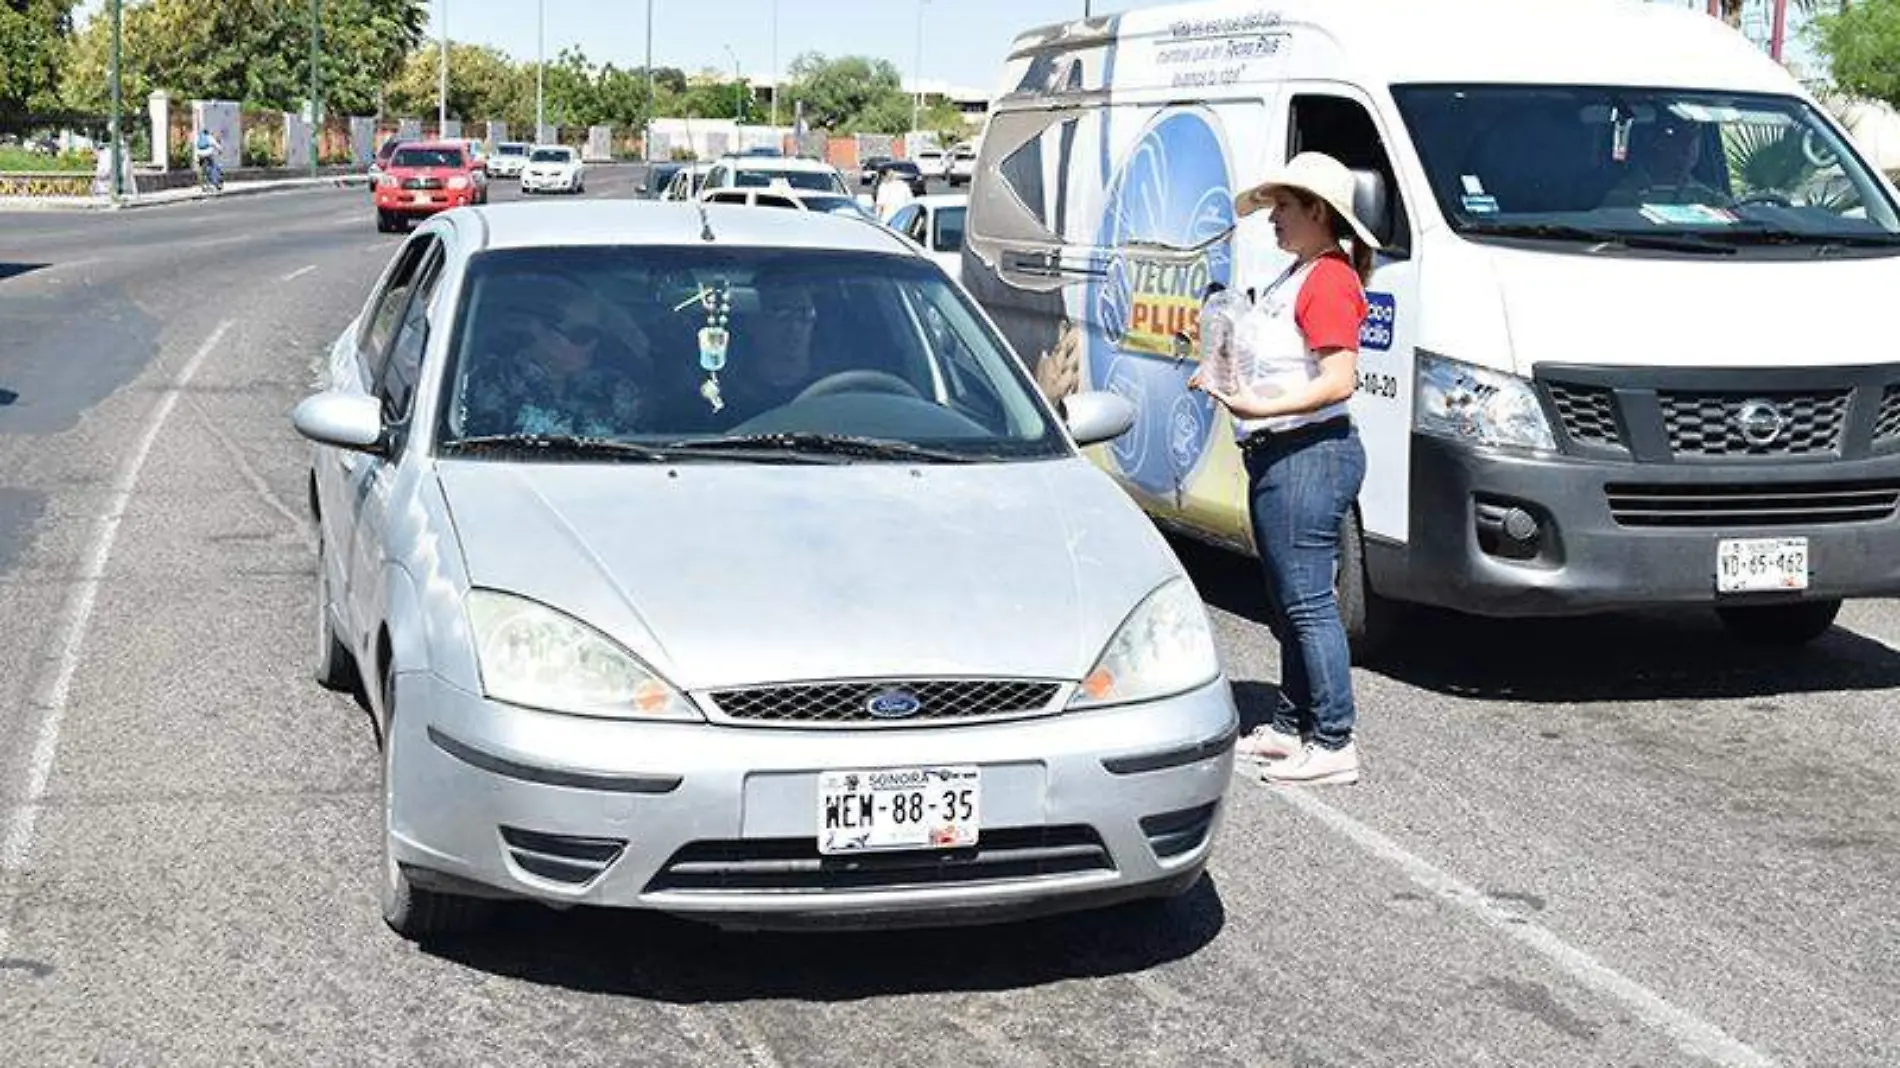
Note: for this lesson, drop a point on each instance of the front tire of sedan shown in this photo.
(335, 668)
(410, 911)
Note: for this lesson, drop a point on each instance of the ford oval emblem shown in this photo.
(894, 704)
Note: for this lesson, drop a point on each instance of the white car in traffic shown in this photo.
(554, 169)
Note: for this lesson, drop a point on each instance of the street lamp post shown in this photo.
(738, 85)
(917, 72)
(442, 74)
(775, 70)
(541, 64)
(316, 106)
(118, 103)
(646, 135)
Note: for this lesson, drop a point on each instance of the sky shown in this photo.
(964, 41)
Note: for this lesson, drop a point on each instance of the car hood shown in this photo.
(723, 574)
(1687, 313)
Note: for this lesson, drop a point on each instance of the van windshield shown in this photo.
(1576, 163)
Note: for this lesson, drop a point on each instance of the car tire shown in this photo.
(384, 224)
(1369, 618)
(412, 912)
(1781, 625)
(335, 667)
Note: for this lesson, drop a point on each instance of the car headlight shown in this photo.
(1466, 402)
(1163, 648)
(387, 181)
(458, 182)
(534, 656)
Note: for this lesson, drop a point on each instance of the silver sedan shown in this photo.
(727, 563)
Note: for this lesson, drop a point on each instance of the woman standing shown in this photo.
(1303, 456)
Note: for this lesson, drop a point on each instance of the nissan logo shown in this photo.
(894, 704)
(1760, 422)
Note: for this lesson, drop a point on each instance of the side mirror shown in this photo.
(1097, 416)
(345, 420)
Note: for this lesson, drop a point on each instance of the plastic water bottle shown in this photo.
(1218, 316)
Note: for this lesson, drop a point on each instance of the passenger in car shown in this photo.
(584, 370)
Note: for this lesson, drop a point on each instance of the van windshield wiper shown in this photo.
(1603, 238)
(812, 444)
(1774, 235)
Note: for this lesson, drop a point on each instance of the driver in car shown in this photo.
(1662, 167)
(776, 363)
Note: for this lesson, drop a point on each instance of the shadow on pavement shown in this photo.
(7, 397)
(10, 270)
(1649, 656)
(634, 954)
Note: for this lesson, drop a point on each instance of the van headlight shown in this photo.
(1164, 647)
(533, 656)
(1475, 404)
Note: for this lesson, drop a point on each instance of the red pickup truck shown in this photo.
(425, 177)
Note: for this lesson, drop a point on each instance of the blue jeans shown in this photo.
(1298, 490)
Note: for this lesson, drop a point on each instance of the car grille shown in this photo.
(1752, 504)
(780, 865)
(1588, 414)
(1887, 425)
(422, 183)
(849, 703)
(1705, 424)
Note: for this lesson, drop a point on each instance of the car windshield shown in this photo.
(760, 179)
(1585, 163)
(428, 157)
(693, 347)
(512, 150)
(550, 155)
(836, 205)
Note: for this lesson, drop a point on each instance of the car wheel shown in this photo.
(384, 224)
(335, 667)
(410, 911)
(1369, 618)
(1784, 625)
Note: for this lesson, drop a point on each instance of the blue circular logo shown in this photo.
(1172, 190)
(894, 704)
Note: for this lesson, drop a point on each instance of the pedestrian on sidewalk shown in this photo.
(1299, 342)
(893, 192)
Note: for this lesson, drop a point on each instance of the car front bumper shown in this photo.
(1621, 535)
(422, 201)
(1077, 810)
(548, 181)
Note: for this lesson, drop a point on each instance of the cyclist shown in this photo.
(206, 152)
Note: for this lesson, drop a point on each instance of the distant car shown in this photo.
(933, 162)
(381, 162)
(752, 173)
(687, 182)
(658, 177)
(509, 159)
(919, 182)
(960, 165)
(871, 167)
(871, 643)
(935, 224)
(554, 168)
(781, 196)
(423, 178)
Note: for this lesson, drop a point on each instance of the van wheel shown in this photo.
(1370, 619)
(410, 911)
(1785, 625)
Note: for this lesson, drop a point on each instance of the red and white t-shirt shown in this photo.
(1319, 306)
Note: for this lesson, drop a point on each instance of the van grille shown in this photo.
(849, 703)
(1704, 424)
(782, 865)
(1588, 414)
(1887, 425)
(1756, 504)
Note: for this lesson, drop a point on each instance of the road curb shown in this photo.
(165, 199)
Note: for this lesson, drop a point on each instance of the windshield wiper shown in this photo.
(1773, 235)
(811, 444)
(565, 445)
(1603, 238)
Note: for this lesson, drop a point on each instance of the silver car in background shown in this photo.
(726, 562)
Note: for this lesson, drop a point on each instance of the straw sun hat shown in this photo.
(1315, 173)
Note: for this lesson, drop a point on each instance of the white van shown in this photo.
(1614, 358)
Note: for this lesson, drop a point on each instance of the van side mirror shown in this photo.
(1097, 416)
(345, 420)
(1372, 202)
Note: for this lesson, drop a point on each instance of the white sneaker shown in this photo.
(1315, 766)
(1264, 743)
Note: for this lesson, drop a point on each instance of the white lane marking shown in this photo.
(1693, 1034)
(299, 273)
(52, 697)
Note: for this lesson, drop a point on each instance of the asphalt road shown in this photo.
(1615, 842)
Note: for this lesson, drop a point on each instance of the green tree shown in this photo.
(1862, 45)
(851, 94)
(33, 36)
(484, 84)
